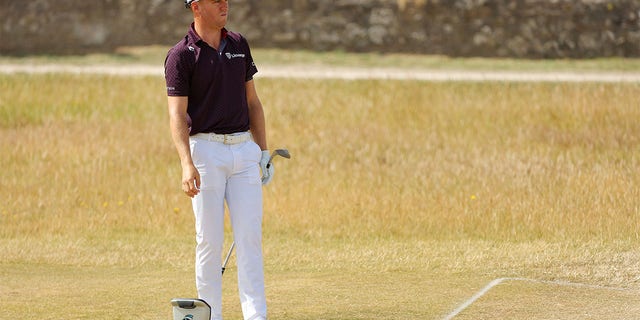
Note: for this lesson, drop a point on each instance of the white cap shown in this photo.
(187, 3)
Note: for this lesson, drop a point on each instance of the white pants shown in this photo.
(231, 173)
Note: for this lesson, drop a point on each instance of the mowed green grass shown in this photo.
(154, 55)
(516, 298)
(401, 200)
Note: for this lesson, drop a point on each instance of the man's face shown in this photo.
(213, 12)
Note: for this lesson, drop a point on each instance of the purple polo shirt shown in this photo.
(214, 81)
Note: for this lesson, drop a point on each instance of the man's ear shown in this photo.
(195, 8)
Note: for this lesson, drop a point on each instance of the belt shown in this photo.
(233, 138)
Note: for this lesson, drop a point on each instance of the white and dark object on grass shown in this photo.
(277, 152)
(190, 309)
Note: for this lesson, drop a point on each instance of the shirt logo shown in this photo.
(234, 55)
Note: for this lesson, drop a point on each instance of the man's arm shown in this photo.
(256, 116)
(258, 130)
(180, 134)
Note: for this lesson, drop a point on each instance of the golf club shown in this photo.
(278, 152)
(226, 260)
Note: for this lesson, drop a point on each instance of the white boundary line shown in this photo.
(498, 281)
(345, 73)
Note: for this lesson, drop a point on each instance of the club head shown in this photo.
(278, 152)
(282, 152)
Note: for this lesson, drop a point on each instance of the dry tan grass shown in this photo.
(396, 190)
(497, 161)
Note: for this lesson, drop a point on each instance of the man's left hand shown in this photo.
(266, 167)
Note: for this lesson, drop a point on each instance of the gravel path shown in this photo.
(304, 72)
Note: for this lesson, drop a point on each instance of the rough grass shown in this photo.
(401, 200)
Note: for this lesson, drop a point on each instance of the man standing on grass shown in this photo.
(218, 127)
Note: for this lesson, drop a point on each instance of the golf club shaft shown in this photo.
(271, 159)
(233, 244)
(226, 260)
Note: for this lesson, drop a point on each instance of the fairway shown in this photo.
(402, 200)
(516, 297)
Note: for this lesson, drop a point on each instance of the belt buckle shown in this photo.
(225, 140)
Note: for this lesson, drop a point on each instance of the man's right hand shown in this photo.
(190, 181)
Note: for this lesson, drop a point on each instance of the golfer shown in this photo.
(218, 128)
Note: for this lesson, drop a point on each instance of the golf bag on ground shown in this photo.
(190, 309)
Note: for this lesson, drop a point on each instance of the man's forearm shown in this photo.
(180, 135)
(256, 118)
(179, 126)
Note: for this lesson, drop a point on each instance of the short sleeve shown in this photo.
(251, 66)
(176, 73)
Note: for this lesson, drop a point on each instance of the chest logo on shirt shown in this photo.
(234, 55)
